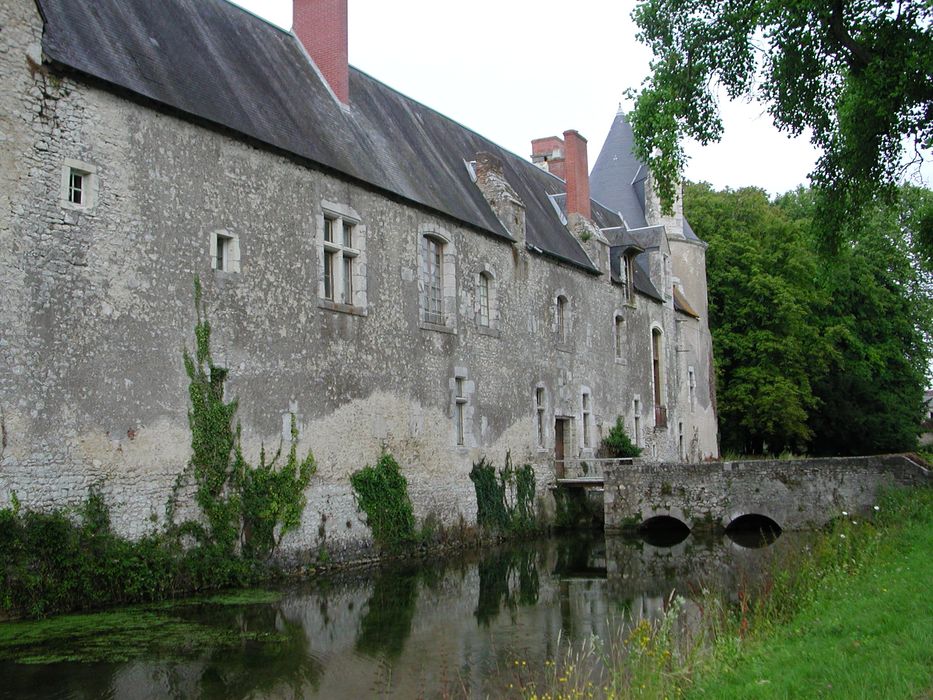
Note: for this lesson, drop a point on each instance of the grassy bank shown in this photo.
(855, 621)
(847, 618)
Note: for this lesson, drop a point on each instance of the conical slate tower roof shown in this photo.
(618, 177)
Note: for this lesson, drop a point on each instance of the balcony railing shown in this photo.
(584, 470)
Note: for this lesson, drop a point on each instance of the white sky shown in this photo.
(514, 70)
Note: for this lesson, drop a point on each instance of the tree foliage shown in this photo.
(815, 353)
(856, 74)
(766, 341)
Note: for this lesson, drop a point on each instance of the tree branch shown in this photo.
(859, 55)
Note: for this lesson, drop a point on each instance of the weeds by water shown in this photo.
(829, 591)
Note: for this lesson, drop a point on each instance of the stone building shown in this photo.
(387, 276)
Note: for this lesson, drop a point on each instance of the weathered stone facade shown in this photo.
(97, 306)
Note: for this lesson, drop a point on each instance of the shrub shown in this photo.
(618, 444)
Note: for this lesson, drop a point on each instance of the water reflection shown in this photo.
(464, 628)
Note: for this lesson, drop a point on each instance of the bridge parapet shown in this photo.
(796, 494)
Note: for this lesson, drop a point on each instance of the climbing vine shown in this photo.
(505, 500)
(381, 491)
(247, 508)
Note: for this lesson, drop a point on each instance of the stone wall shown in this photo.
(97, 306)
(796, 494)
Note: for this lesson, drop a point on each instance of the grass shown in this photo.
(864, 629)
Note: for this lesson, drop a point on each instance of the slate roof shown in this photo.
(219, 63)
(618, 177)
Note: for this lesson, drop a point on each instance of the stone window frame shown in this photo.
(627, 276)
(89, 187)
(341, 217)
(587, 421)
(692, 387)
(487, 275)
(636, 420)
(224, 249)
(562, 325)
(659, 386)
(446, 320)
(618, 336)
(462, 390)
(540, 405)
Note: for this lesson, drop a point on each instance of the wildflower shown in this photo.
(845, 512)
(854, 523)
(877, 508)
(842, 536)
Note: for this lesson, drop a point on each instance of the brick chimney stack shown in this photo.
(321, 26)
(578, 178)
(548, 154)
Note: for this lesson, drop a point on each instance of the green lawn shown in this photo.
(867, 634)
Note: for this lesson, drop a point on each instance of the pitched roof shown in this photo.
(221, 64)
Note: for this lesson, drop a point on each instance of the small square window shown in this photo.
(225, 252)
(78, 185)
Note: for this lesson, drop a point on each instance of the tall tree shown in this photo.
(815, 353)
(858, 74)
(879, 323)
(766, 340)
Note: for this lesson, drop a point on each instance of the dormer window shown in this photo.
(626, 274)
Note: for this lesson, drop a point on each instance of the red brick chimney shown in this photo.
(321, 26)
(578, 179)
(548, 154)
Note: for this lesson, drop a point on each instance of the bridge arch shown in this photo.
(663, 530)
(753, 530)
(751, 515)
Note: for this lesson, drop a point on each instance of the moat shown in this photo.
(463, 627)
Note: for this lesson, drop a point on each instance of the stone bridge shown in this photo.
(795, 494)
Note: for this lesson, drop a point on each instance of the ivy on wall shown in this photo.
(505, 499)
(381, 491)
(247, 508)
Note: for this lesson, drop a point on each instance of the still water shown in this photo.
(466, 627)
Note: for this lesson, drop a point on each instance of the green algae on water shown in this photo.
(168, 631)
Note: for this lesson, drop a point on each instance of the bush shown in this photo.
(381, 492)
(51, 563)
(617, 443)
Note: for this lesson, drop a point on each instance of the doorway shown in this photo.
(559, 441)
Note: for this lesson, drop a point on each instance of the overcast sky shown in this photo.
(514, 70)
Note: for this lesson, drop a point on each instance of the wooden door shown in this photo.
(559, 447)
